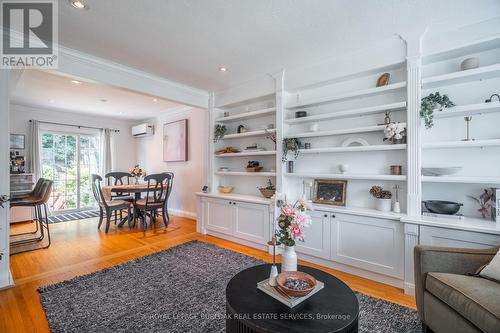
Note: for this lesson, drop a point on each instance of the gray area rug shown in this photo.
(169, 290)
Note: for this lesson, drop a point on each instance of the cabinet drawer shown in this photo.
(368, 243)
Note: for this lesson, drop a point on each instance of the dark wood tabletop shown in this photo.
(335, 308)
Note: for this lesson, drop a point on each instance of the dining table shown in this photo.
(136, 189)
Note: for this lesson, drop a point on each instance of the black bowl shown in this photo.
(442, 207)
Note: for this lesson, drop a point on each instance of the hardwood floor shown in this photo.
(79, 248)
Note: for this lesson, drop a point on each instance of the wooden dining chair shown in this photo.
(113, 207)
(119, 178)
(159, 188)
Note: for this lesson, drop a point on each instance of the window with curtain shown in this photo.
(69, 159)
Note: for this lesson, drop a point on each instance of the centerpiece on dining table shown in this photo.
(137, 172)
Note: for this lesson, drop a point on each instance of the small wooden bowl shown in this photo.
(226, 189)
(267, 193)
(282, 277)
(254, 169)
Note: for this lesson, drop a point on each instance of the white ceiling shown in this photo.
(187, 40)
(55, 91)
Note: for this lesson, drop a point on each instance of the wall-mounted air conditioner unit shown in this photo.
(142, 130)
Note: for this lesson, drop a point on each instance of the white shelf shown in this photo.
(256, 153)
(468, 223)
(468, 110)
(247, 115)
(461, 180)
(248, 134)
(348, 95)
(349, 113)
(346, 176)
(486, 72)
(353, 149)
(365, 129)
(462, 144)
(359, 211)
(244, 173)
(481, 45)
(237, 197)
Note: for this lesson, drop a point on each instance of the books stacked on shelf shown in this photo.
(253, 148)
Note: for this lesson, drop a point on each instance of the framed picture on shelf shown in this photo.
(17, 141)
(330, 192)
(175, 141)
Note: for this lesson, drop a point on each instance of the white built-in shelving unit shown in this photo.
(258, 116)
(346, 108)
(444, 144)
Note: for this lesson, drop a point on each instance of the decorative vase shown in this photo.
(383, 205)
(136, 180)
(289, 259)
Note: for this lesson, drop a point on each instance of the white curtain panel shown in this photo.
(35, 149)
(106, 161)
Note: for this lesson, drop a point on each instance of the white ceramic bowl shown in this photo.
(445, 171)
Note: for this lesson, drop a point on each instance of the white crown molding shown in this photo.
(105, 71)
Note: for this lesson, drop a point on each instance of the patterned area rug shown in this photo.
(73, 216)
(181, 289)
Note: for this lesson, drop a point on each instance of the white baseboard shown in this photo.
(182, 213)
(409, 289)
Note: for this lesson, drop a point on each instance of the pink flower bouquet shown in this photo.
(292, 221)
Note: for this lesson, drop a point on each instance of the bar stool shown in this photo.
(38, 201)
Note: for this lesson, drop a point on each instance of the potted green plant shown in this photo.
(432, 102)
(290, 145)
(269, 190)
(219, 132)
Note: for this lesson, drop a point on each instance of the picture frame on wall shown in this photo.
(17, 141)
(175, 141)
(330, 192)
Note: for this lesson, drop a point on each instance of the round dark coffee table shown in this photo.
(333, 309)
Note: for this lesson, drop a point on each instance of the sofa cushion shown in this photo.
(474, 298)
(492, 270)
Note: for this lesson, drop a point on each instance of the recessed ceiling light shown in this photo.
(78, 4)
(75, 81)
(120, 112)
(52, 100)
(155, 100)
(223, 69)
(104, 100)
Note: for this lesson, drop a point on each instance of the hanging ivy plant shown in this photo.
(219, 132)
(432, 102)
(290, 145)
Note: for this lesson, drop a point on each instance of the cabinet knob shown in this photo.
(230, 202)
(333, 215)
(234, 203)
(326, 215)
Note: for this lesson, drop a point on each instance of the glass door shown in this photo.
(69, 160)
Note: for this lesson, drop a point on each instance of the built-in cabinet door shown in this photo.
(368, 243)
(219, 215)
(457, 238)
(317, 236)
(251, 222)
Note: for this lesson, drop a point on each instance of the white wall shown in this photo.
(124, 155)
(188, 175)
